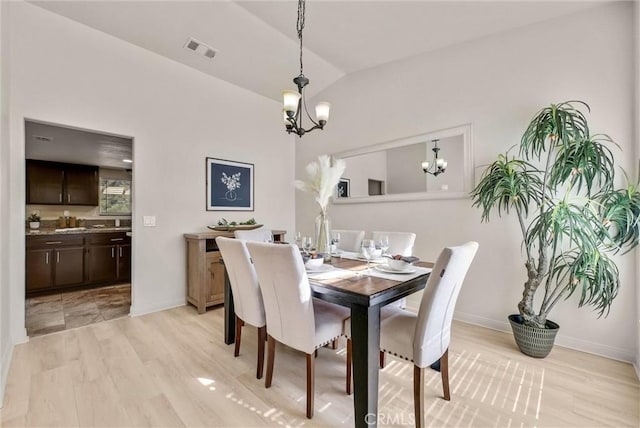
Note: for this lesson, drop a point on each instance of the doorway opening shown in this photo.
(79, 187)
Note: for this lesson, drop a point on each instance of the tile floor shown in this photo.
(62, 311)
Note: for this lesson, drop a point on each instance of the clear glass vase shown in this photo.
(323, 235)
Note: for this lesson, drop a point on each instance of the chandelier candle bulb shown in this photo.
(322, 111)
(425, 165)
(291, 100)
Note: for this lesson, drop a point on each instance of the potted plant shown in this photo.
(34, 220)
(561, 188)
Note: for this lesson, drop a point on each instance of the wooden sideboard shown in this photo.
(205, 268)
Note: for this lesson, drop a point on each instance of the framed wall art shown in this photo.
(343, 189)
(229, 185)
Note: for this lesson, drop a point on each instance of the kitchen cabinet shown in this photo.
(124, 262)
(108, 257)
(61, 261)
(54, 183)
(45, 182)
(54, 262)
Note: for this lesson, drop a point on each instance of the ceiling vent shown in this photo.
(200, 48)
(42, 139)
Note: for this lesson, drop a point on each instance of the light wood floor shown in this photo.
(172, 369)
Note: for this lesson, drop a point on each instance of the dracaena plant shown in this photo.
(572, 218)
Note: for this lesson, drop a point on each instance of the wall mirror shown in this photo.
(392, 171)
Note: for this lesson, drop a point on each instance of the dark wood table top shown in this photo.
(358, 287)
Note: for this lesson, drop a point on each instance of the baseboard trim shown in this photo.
(5, 364)
(561, 340)
(137, 311)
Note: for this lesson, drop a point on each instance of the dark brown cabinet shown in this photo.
(69, 266)
(59, 261)
(54, 262)
(101, 263)
(39, 269)
(108, 257)
(54, 183)
(124, 262)
(45, 182)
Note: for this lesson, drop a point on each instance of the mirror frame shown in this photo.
(464, 130)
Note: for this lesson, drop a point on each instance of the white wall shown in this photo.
(6, 343)
(67, 73)
(497, 84)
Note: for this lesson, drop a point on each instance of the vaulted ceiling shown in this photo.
(256, 41)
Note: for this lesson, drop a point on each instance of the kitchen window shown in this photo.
(115, 196)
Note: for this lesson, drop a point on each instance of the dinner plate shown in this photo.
(321, 268)
(388, 270)
(378, 260)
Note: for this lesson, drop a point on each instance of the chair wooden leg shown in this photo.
(262, 334)
(271, 353)
(349, 363)
(315, 353)
(382, 360)
(334, 344)
(239, 324)
(444, 372)
(418, 395)
(311, 361)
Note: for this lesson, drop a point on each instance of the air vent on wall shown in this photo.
(42, 139)
(200, 48)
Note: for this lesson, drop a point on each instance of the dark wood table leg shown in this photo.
(365, 336)
(229, 313)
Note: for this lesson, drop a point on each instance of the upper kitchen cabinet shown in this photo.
(54, 183)
(45, 182)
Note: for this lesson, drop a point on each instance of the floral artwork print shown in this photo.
(229, 185)
(232, 182)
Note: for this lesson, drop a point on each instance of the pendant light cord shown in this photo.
(300, 27)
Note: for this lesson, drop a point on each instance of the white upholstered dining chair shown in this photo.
(247, 297)
(349, 239)
(424, 338)
(294, 317)
(399, 242)
(260, 235)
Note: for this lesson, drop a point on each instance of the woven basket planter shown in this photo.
(533, 341)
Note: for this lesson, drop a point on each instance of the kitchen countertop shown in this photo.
(76, 230)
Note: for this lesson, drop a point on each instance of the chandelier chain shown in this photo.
(300, 26)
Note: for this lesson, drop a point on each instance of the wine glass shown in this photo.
(335, 240)
(307, 244)
(383, 243)
(368, 248)
(298, 239)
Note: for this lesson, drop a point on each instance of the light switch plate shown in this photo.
(149, 221)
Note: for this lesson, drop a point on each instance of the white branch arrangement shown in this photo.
(323, 179)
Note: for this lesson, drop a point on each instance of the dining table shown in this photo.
(348, 281)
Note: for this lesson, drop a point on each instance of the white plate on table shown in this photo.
(386, 269)
(319, 269)
(377, 260)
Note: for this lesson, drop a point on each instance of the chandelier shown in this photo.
(294, 101)
(438, 166)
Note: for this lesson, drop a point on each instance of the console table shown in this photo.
(205, 269)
